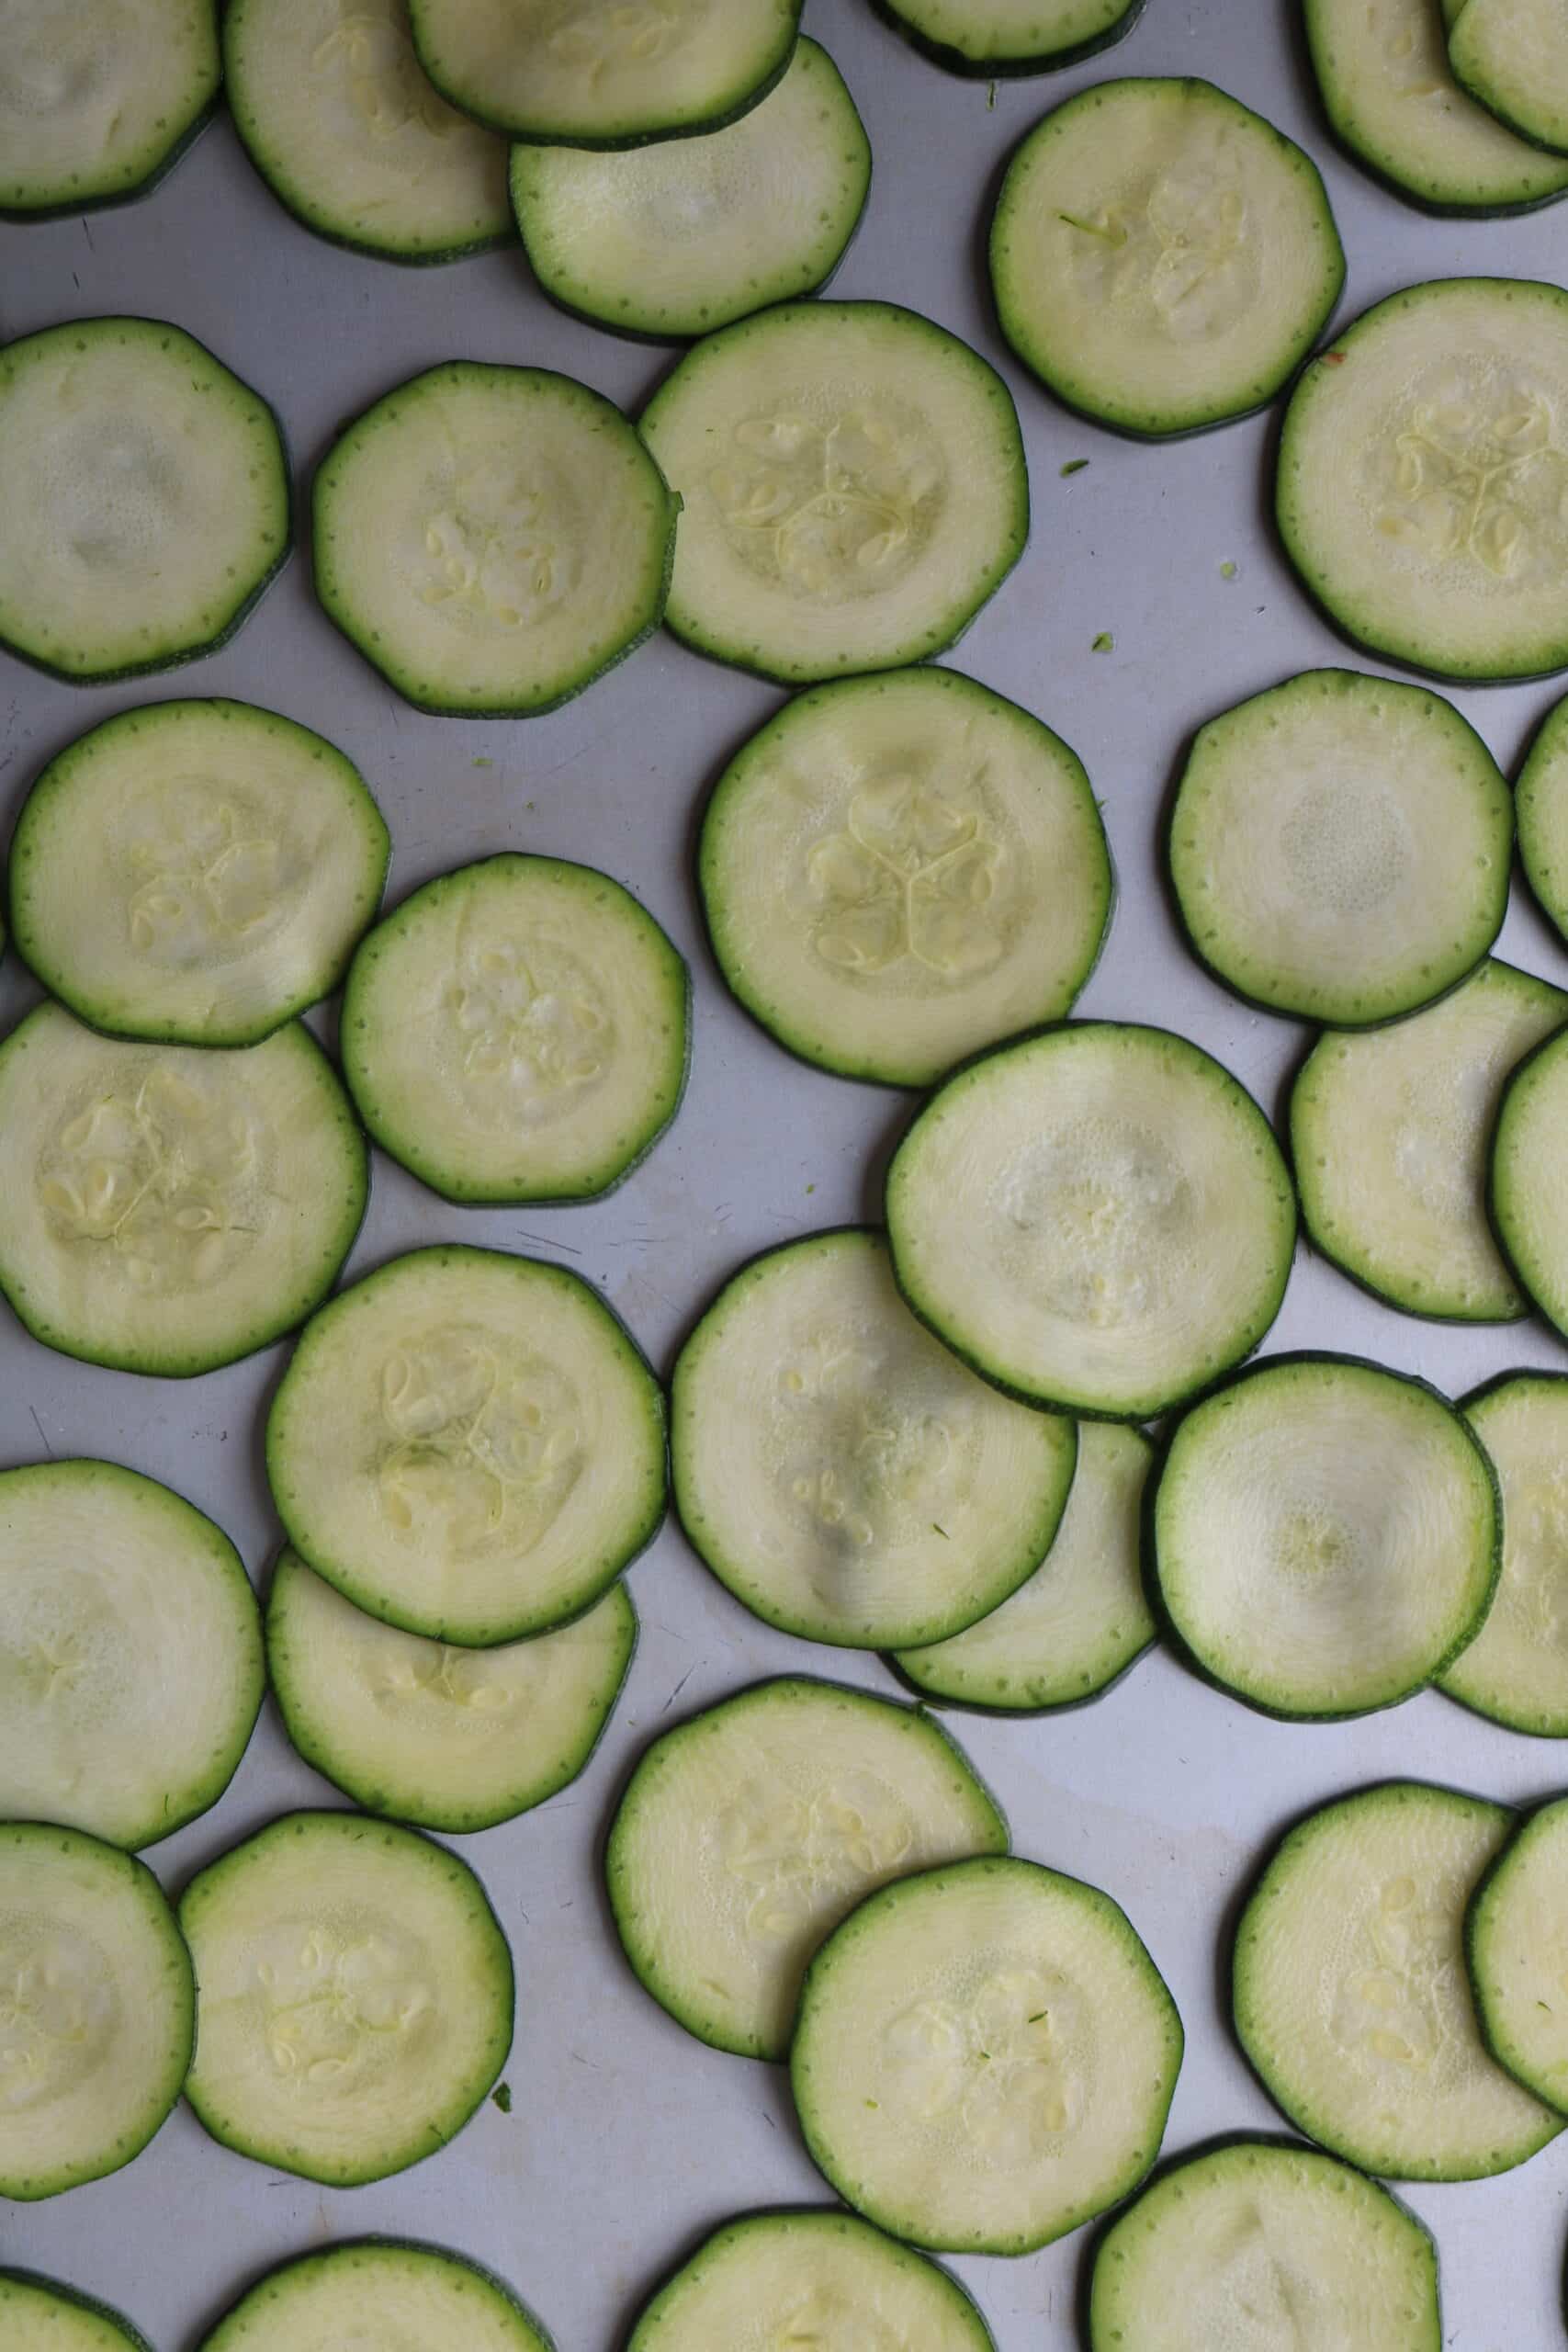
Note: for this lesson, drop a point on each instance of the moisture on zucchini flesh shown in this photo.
(1001, 37)
(747, 1833)
(1540, 809)
(1529, 1150)
(1516, 1669)
(343, 126)
(839, 1471)
(195, 871)
(171, 1208)
(897, 871)
(102, 2010)
(1339, 847)
(1098, 1218)
(97, 102)
(145, 494)
(1162, 257)
(468, 1445)
(984, 2057)
(1421, 471)
(853, 488)
(1390, 1133)
(1515, 1937)
(1511, 56)
(130, 1653)
(40, 2315)
(1350, 1993)
(491, 538)
(380, 2290)
(453, 1739)
(517, 1031)
(356, 1996)
(682, 237)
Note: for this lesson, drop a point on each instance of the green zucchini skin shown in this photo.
(1006, 69)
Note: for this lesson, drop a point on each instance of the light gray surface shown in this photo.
(626, 2138)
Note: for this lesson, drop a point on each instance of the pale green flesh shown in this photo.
(1008, 34)
(1529, 1150)
(1516, 1937)
(1350, 1993)
(95, 101)
(404, 2298)
(37, 2316)
(1510, 54)
(1516, 1669)
(745, 1836)
(356, 1999)
(1541, 803)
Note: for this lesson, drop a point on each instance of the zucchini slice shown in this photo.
(131, 1671)
(492, 539)
(1326, 1535)
(356, 1996)
(1350, 1994)
(1162, 257)
(169, 1208)
(378, 2290)
(985, 2057)
(469, 1445)
(101, 2008)
(1419, 491)
(197, 872)
(1391, 1132)
(746, 1834)
(844, 1476)
(1514, 1937)
(1004, 36)
(40, 2315)
(1339, 847)
(685, 236)
(1529, 1148)
(1098, 1218)
(853, 489)
(97, 104)
(1540, 809)
(1260, 2244)
(340, 120)
(453, 1739)
(1510, 56)
(1516, 1669)
(145, 493)
(517, 1031)
(1082, 1619)
(898, 871)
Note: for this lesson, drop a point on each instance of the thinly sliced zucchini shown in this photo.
(385, 2291)
(1350, 1994)
(1390, 1133)
(1162, 257)
(839, 1471)
(145, 494)
(596, 74)
(897, 871)
(1516, 1669)
(1326, 1535)
(1510, 55)
(40, 2315)
(356, 1996)
(1001, 37)
(1529, 1150)
(131, 1671)
(1514, 1936)
(454, 1739)
(1262, 2244)
(1082, 1618)
(491, 538)
(469, 1445)
(1420, 492)
(195, 871)
(1391, 97)
(96, 104)
(168, 1208)
(100, 2009)
(517, 1031)
(1339, 847)
(1541, 807)
(339, 120)
(747, 1834)
(1098, 1218)
(853, 489)
(985, 2057)
(685, 236)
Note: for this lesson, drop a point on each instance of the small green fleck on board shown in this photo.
(1104, 643)
(1074, 466)
(501, 2096)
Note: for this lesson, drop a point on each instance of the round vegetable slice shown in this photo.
(1349, 1988)
(356, 2001)
(1509, 56)
(842, 1473)
(1515, 1935)
(195, 871)
(100, 2009)
(853, 489)
(454, 1739)
(745, 1836)
(171, 1208)
(97, 104)
(40, 2315)
(1339, 847)
(145, 494)
(469, 1445)
(900, 870)
(1001, 37)
(985, 2057)
(1516, 1669)
(1096, 1218)
(1162, 257)
(517, 1031)
(1540, 806)
(491, 538)
(1528, 1153)
(382, 2291)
